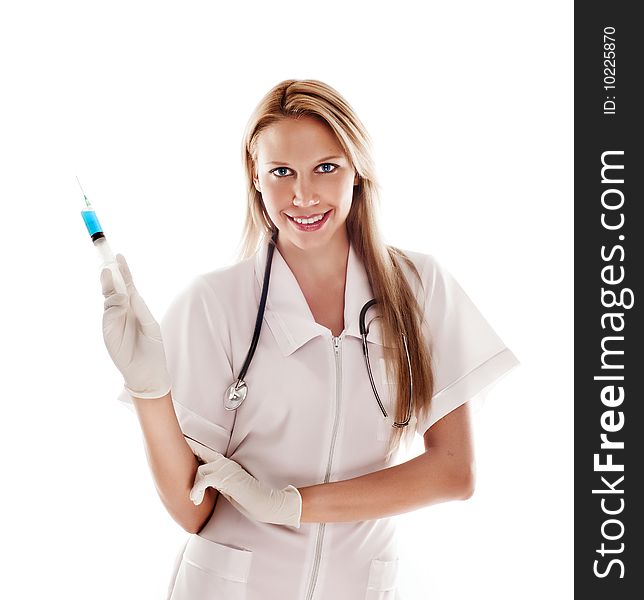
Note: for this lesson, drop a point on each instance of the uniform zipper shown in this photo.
(322, 526)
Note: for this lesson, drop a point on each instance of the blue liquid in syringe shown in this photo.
(100, 243)
(91, 221)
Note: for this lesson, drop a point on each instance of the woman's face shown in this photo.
(302, 172)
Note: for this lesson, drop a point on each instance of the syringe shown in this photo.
(100, 243)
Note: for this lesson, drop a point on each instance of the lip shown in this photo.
(313, 226)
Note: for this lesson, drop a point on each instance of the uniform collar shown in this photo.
(287, 313)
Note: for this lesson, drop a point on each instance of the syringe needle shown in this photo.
(81, 187)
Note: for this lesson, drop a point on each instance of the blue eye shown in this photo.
(333, 167)
(280, 171)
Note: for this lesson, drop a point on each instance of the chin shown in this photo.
(307, 242)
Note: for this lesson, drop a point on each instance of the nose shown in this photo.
(304, 194)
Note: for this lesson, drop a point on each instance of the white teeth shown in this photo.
(308, 221)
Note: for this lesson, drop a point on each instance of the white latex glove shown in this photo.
(133, 337)
(246, 494)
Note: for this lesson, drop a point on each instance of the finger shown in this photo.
(146, 320)
(112, 298)
(196, 495)
(125, 270)
(141, 309)
(119, 333)
(107, 282)
(138, 305)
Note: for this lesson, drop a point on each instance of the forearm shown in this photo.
(172, 462)
(433, 477)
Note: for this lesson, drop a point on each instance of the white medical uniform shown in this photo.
(310, 417)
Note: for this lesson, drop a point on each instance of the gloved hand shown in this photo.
(246, 494)
(133, 337)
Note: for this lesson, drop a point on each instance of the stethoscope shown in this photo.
(236, 393)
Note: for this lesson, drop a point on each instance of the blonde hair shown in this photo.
(397, 305)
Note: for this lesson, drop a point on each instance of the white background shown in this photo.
(469, 105)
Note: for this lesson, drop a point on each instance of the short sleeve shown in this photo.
(195, 335)
(467, 354)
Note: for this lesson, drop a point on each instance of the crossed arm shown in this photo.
(445, 471)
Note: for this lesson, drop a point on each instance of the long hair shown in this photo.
(397, 305)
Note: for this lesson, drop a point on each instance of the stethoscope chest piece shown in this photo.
(235, 394)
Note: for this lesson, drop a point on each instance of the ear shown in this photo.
(356, 179)
(256, 181)
(255, 177)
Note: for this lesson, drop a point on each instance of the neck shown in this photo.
(318, 265)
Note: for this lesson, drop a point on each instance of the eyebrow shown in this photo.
(321, 160)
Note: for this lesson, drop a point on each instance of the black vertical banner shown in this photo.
(609, 341)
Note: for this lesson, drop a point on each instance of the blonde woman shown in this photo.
(271, 423)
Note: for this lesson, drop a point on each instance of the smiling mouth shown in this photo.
(309, 219)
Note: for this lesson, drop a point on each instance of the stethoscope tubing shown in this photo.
(364, 330)
(237, 391)
(262, 306)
